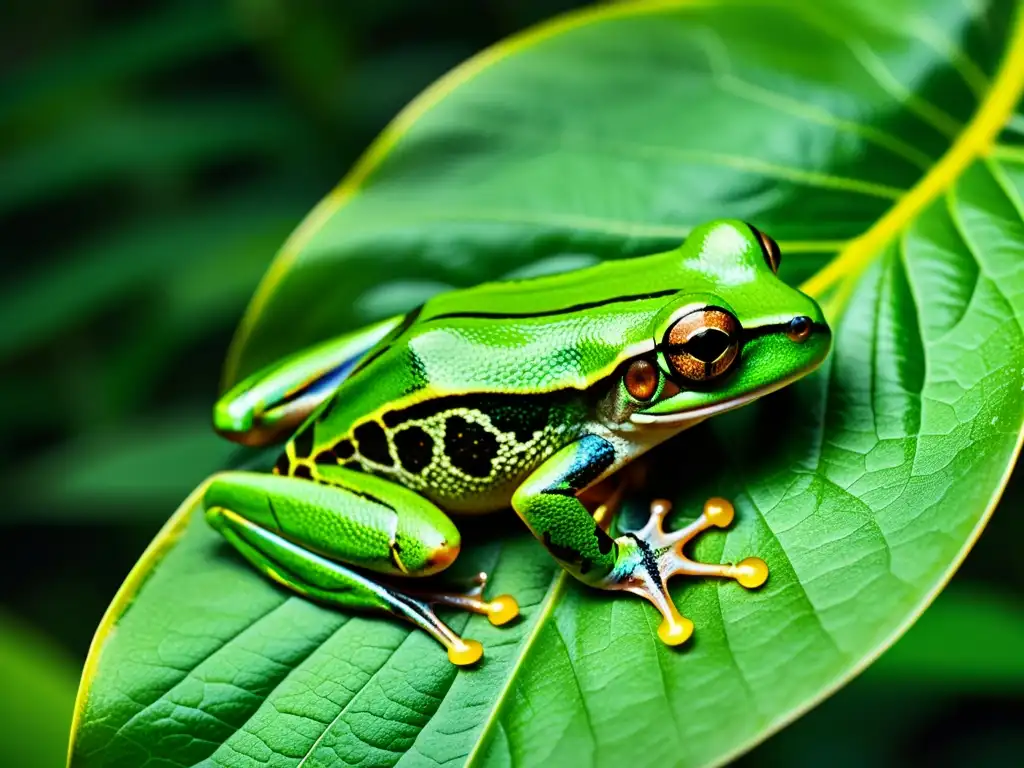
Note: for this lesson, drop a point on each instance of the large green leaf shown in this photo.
(864, 134)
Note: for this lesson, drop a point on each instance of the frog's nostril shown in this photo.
(799, 328)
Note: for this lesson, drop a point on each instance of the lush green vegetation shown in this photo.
(155, 161)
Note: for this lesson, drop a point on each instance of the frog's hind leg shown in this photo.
(659, 556)
(501, 610)
(312, 537)
(326, 581)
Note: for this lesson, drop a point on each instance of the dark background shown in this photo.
(153, 156)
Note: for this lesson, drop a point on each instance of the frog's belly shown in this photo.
(463, 463)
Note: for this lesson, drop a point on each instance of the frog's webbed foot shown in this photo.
(418, 607)
(651, 556)
(501, 610)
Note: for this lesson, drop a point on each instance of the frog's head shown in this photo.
(741, 334)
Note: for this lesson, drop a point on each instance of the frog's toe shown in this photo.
(651, 556)
(502, 610)
(675, 630)
(499, 610)
(461, 651)
(465, 652)
(751, 573)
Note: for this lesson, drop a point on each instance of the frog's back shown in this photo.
(466, 452)
(539, 335)
(477, 387)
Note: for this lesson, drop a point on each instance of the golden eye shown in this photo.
(641, 379)
(770, 249)
(703, 344)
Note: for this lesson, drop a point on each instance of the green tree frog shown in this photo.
(523, 393)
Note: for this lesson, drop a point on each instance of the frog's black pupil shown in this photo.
(707, 345)
(800, 325)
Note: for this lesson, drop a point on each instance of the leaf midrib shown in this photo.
(555, 590)
(977, 138)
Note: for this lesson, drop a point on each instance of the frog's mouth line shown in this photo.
(697, 415)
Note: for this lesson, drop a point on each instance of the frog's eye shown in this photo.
(770, 249)
(703, 344)
(641, 379)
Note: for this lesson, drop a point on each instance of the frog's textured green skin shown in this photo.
(511, 393)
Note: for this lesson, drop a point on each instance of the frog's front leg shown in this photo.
(302, 534)
(640, 562)
(268, 405)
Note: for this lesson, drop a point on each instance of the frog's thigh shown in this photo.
(548, 504)
(295, 531)
(351, 517)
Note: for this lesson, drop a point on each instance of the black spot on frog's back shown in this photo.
(469, 447)
(338, 453)
(302, 443)
(282, 465)
(415, 449)
(521, 416)
(373, 443)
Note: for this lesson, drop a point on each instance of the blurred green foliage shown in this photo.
(152, 158)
